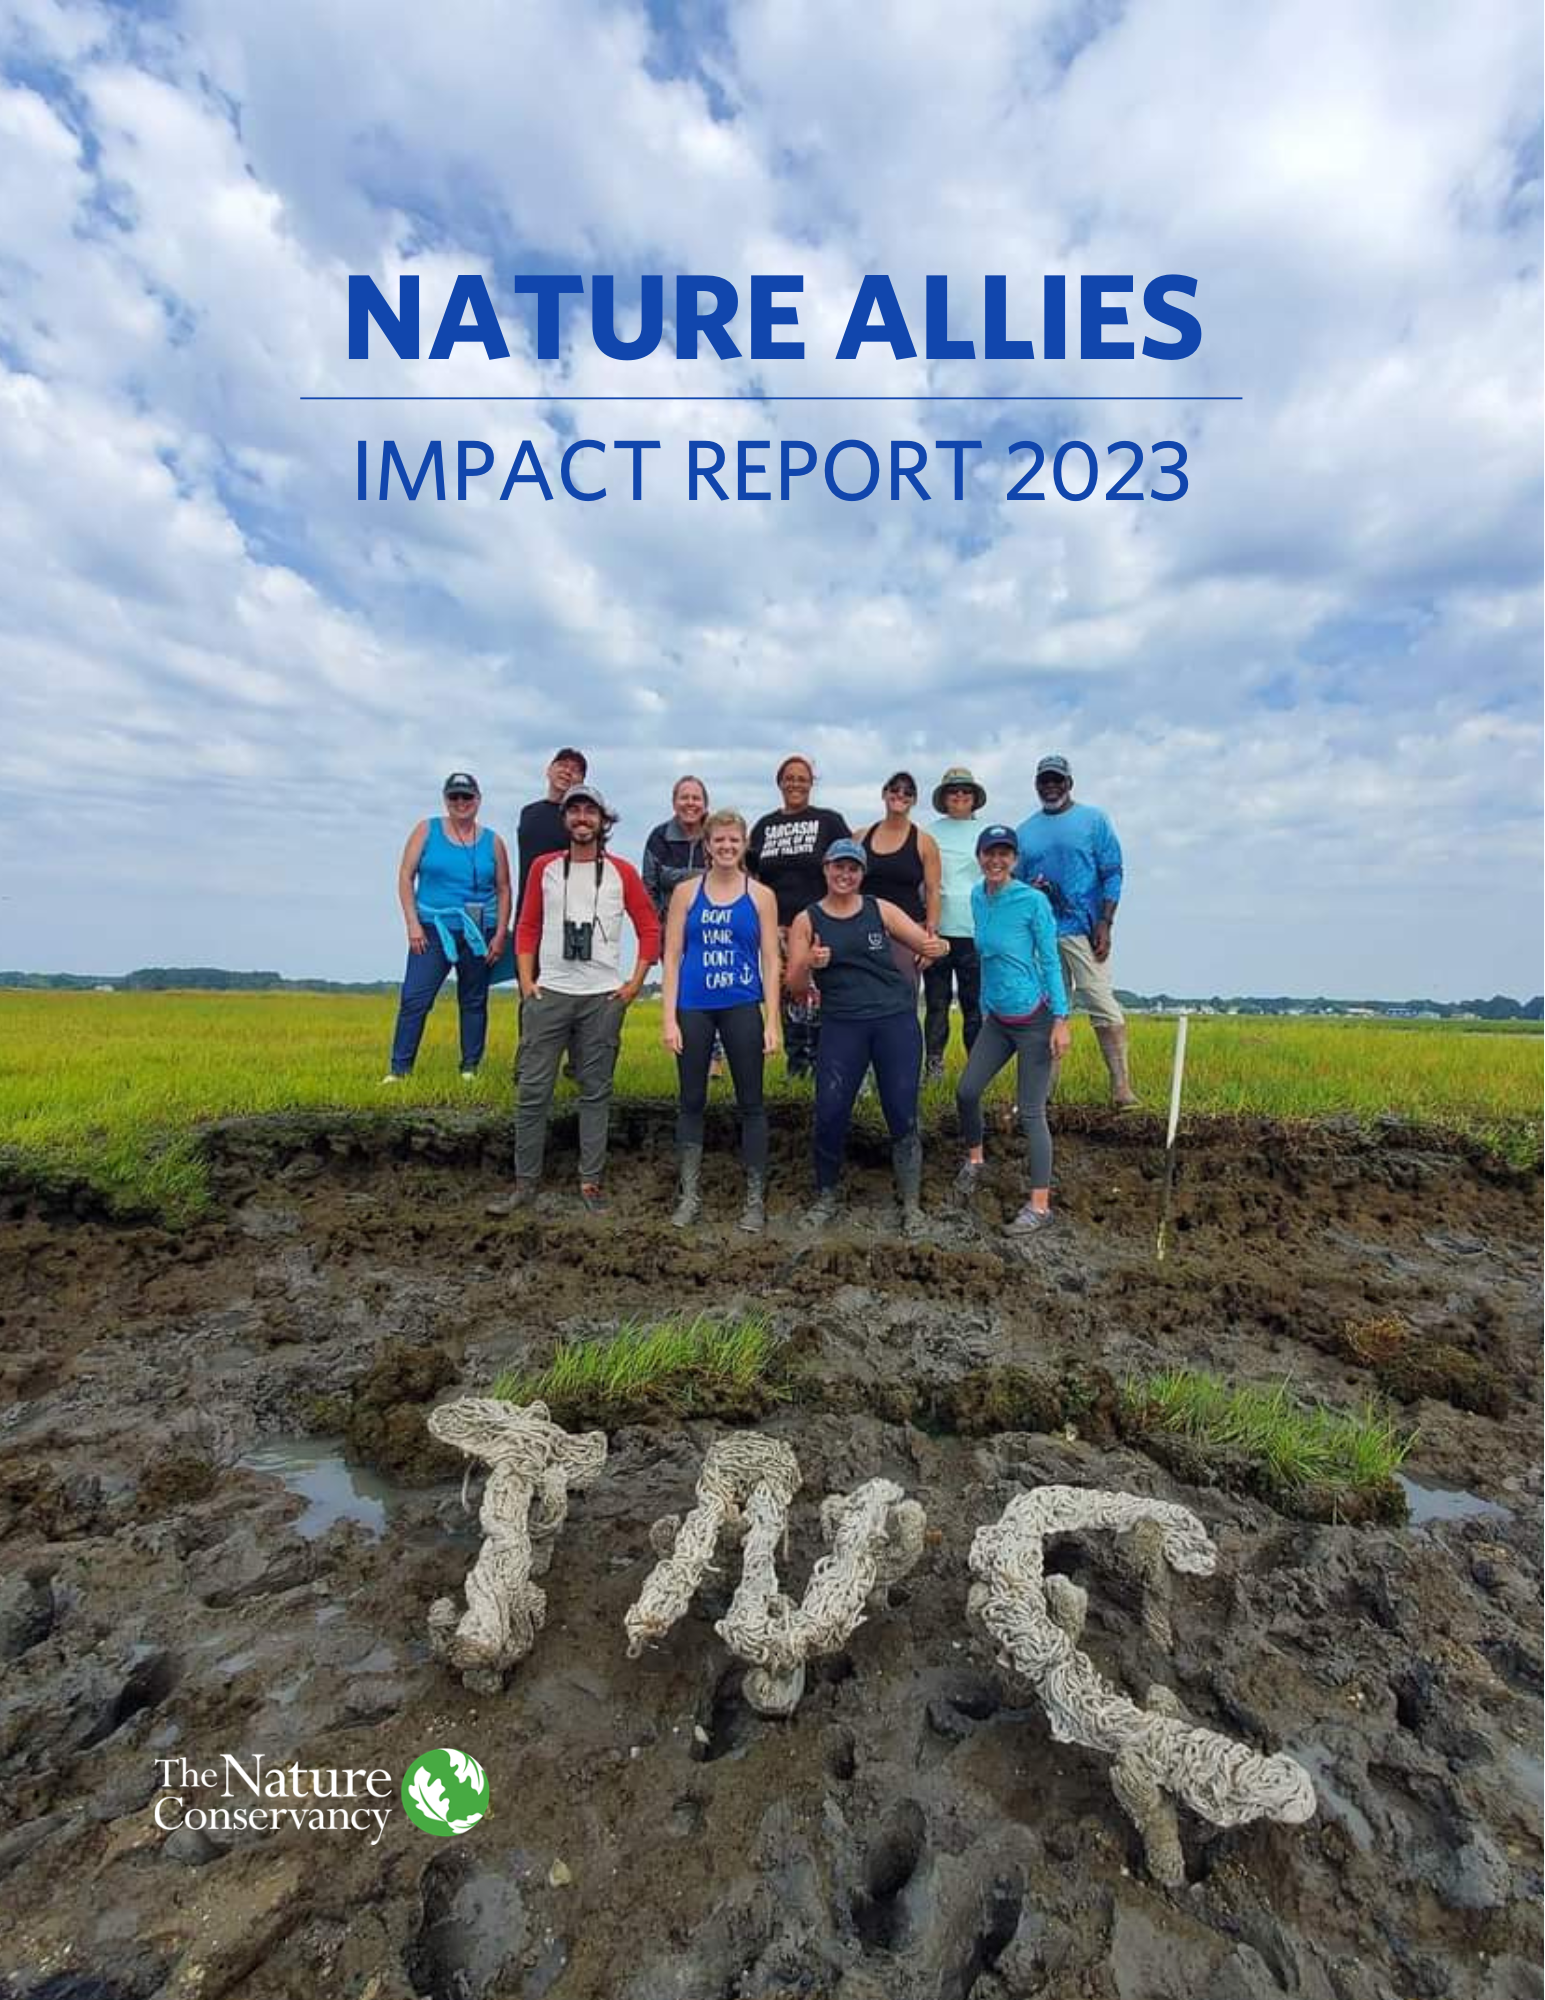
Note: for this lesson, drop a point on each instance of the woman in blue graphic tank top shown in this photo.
(454, 887)
(721, 970)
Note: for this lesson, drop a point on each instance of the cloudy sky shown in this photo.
(1308, 693)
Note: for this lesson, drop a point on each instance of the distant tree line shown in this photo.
(1500, 1007)
(199, 978)
(219, 979)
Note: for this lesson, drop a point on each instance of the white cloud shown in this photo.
(1318, 672)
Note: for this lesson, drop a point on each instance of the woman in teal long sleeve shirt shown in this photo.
(1024, 1014)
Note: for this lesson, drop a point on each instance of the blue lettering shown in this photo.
(469, 291)
(877, 291)
(1094, 314)
(940, 346)
(1184, 323)
(464, 472)
(535, 477)
(366, 303)
(389, 458)
(765, 316)
(603, 319)
(548, 291)
(691, 319)
(852, 444)
(580, 444)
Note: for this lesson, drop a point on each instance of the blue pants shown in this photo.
(894, 1044)
(422, 981)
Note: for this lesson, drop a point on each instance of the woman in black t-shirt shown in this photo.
(869, 1015)
(786, 851)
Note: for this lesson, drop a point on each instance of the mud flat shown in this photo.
(222, 1524)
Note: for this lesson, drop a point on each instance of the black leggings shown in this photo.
(740, 1031)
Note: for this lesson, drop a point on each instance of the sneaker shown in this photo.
(1030, 1221)
(522, 1195)
(969, 1179)
(592, 1198)
(933, 1072)
(469, 1076)
(392, 1077)
(822, 1211)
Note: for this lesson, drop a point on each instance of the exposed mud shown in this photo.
(910, 1833)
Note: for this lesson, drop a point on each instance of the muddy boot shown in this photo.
(689, 1204)
(1113, 1046)
(753, 1217)
(822, 1212)
(907, 1165)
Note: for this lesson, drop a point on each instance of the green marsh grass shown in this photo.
(680, 1362)
(1295, 1445)
(115, 1087)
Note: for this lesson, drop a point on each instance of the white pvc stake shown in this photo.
(1176, 1080)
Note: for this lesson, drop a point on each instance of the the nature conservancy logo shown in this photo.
(443, 1792)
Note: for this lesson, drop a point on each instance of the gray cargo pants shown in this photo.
(588, 1028)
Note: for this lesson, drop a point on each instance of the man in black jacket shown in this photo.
(541, 830)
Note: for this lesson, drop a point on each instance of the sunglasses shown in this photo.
(461, 798)
(900, 792)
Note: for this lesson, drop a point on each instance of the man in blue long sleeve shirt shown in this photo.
(1072, 854)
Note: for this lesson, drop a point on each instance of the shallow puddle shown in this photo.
(332, 1489)
(1446, 1503)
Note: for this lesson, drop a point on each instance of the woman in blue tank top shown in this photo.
(454, 887)
(868, 1015)
(721, 969)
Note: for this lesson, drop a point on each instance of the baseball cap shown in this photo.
(461, 781)
(997, 836)
(845, 850)
(568, 755)
(1056, 767)
(585, 794)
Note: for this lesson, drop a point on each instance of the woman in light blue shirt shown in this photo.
(454, 887)
(1024, 1014)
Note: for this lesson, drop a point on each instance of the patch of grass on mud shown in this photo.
(1300, 1457)
(703, 1366)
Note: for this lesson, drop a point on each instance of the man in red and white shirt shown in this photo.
(575, 903)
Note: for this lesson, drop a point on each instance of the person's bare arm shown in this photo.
(899, 925)
(803, 952)
(933, 879)
(766, 906)
(407, 868)
(675, 943)
(501, 936)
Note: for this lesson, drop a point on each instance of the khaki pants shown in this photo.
(1088, 982)
(588, 1029)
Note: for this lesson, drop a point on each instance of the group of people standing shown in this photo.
(794, 933)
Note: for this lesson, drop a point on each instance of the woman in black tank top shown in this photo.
(904, 866)
(843, 944)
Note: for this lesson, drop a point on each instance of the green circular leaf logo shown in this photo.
(445, 1792)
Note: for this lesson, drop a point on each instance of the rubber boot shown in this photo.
(1113, 1046)
(907, 1165)
(753, 1217)
(822, 1212)
(689, 1204)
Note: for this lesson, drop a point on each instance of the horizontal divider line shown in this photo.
(581, 396)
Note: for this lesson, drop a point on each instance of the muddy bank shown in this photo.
(221, 1527)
